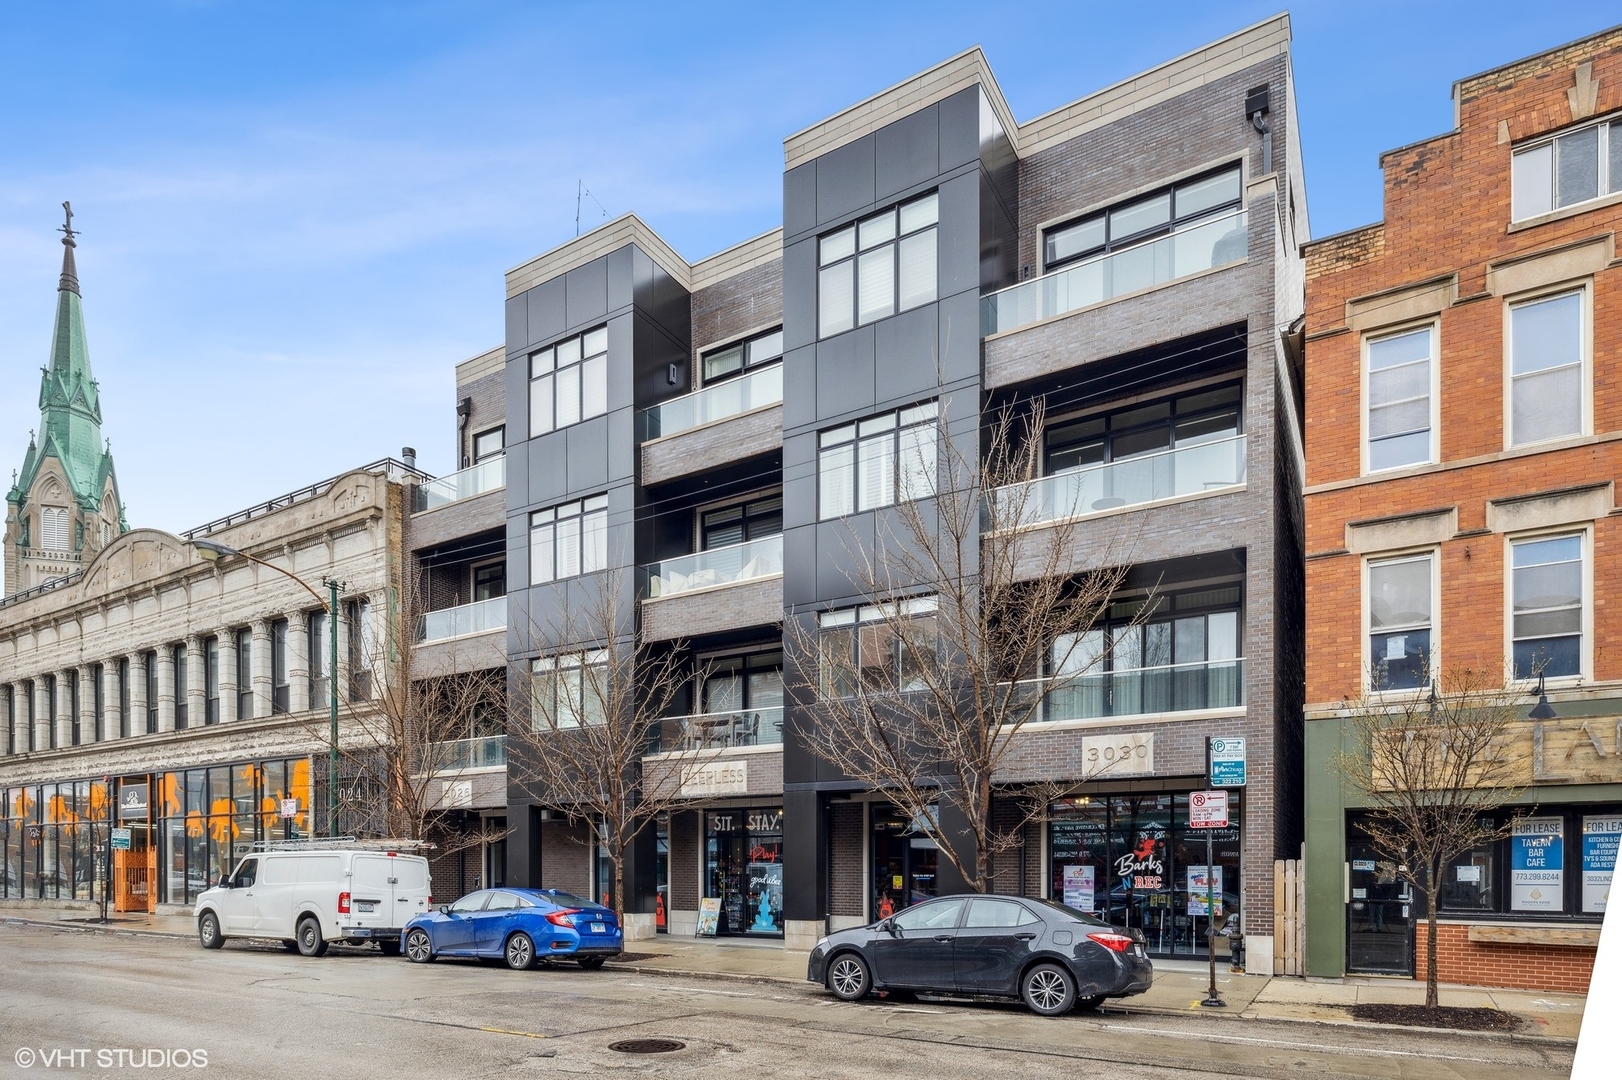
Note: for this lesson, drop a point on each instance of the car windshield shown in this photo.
(1074, 913)
(564, 899)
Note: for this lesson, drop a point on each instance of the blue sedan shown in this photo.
(523, 926)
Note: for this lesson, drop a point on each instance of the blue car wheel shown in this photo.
(419, 947)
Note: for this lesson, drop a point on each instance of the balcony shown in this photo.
(485, 476)
(1214, 684)
(731, 565)
(723, 730)
(1164, 259)
(489, 752)
(475, 618)
(734, 397)
(1201, 469)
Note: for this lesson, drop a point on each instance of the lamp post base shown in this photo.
(1214, 1003)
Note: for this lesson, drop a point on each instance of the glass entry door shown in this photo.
(1379, 915)
(906, 863)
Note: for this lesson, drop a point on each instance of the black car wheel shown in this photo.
(419, 947)
(848, 977)
(310, 941)
(520, 952)
(208, 931)
(592, 963)
(1048, 990)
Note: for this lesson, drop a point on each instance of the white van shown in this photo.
(315, 896)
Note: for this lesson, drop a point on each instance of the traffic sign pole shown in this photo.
(1211, 1000)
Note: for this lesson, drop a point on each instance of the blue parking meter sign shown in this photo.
(1227, 763)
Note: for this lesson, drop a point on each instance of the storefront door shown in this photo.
(744, 868)
(1379, 915)
(906, 863)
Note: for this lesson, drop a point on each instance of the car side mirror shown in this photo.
(225, 882)
(444, 909)
(888, 926)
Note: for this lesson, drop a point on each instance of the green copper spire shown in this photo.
(70, 401)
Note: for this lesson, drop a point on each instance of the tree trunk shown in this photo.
(1432, 998)
(618, 898)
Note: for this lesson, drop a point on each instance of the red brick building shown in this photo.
(1463, 439)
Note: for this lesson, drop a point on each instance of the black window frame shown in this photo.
(1173, 223)
(894, 242)
(479, 457)
(759, 516)
(747, 360)
(1110, 434)
(550, 375)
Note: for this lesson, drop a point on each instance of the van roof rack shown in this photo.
(309, 843)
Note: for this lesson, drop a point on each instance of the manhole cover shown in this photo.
(647, 1046)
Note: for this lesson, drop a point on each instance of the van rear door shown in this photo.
(371, 888)
(412, 889)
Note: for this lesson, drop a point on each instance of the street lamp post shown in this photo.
(213, 551)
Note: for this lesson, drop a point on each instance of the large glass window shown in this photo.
(280, 694)
(1173, 652)
(1557, 862)
(1568, 169)
(244, 673)
(568, 382)
(1546, 384)
(319, 660)
(1201, 416)
(1400, 368)
(570, 690)
(211, 680)
(743, 868)
(747, 355)
(741, 522)
(1399, 597)
(361, 631)
(860, 645)
(879, 461)
(1133, 860)
(1547, 582)
(182, 688)
(880, 265)
(124, 719)
(1171, 209)
(569, 540)
(149, 671)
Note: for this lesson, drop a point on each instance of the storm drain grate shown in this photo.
(647, 1046)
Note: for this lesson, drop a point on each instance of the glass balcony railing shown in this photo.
(752, 391)
(1213, 684)
(489, 752)
(1095, 489)
(730, 565)
(485, 476)
(720, 730)
(473, 618)
(1154, 262)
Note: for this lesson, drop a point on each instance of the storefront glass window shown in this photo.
(744, 868)
(906, 862)
(1133, 861)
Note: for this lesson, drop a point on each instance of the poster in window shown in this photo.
(1202, 882)
(1078, 888)
(1601, 838)
(1537, 864)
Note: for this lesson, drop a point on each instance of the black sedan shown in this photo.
(1053, 957)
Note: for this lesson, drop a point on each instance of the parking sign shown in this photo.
(1227, 762)
(1208, 810)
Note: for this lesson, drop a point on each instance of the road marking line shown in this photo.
(504, 1031)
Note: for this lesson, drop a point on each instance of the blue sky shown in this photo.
(296, 216)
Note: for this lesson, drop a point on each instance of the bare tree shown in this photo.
(974, 620)
(1432, 768)
(411, 727)
(596, 707)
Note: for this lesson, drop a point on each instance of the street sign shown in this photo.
(1208, 810)
(1227, 763)
(121, 839)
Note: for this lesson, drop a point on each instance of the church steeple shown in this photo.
(63, 506)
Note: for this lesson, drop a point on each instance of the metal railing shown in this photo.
(474, 618)
(731, 565)
(743, 394)
(720, 730)
(1212, 684)
(489, 752)
(476, 480)
(392, 467)
(43, 587)
(1095, 489)
(1103, 277)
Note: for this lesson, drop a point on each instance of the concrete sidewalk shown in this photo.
(1178, 987)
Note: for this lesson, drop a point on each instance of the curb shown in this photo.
(94, 927)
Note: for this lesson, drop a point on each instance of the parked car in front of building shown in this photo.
(313, 897)
(1052, 957)
(521, 926)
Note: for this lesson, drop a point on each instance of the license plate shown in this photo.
(366, 906)
(597, 928)
(1137, 949)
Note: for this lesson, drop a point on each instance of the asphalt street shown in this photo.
(256, 1011)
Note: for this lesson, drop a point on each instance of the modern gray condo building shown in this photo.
(718, 430)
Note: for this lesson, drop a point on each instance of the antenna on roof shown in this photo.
(582, 191)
